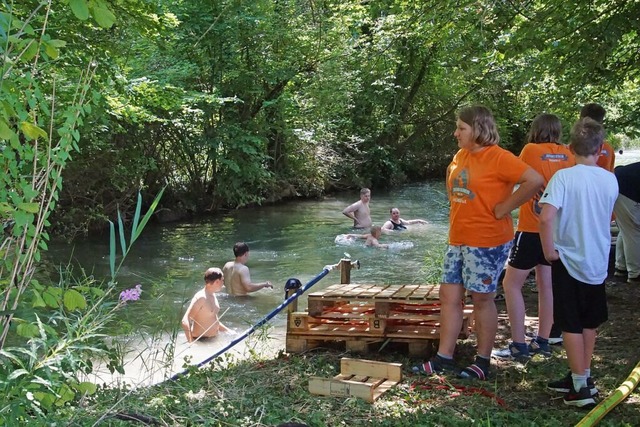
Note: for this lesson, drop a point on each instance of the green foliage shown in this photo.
(136, 231)
(64, 326)
(32, 158)
(233, 103)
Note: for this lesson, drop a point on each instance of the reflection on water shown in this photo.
(295, 239)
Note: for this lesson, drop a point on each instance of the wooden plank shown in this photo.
(339, 291)
(368, 292)
(426, 292)
(342, 333)
(404, 292)
(385, 386)
(371, 368)
(356, 291)
(320, 293)
(411, 293)
(387, 292)
(298, 320)
(358, 378)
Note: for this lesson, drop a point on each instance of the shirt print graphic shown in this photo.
(551, 157)
(460, 188)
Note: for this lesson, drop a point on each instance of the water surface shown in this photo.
(294, 239)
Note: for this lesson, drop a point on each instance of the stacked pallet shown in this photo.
(365, 315)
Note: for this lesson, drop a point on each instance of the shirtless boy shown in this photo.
(372, 238)
(201, 318)
(359, 211)
(237, 279)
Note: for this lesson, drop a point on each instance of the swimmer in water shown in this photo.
(371, 238)
(395, 223)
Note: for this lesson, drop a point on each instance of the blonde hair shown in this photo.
(483, 125)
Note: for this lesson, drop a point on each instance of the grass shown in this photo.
(255, 391)
(269, 392)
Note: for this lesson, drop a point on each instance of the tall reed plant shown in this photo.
(64, 326)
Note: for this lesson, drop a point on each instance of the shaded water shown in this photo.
(296, 239)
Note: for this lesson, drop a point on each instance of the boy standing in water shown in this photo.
(237, 277)
(575, 237)
(201, 318)
(359, 211)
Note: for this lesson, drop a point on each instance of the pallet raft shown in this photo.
(366, 379)
(363, 315)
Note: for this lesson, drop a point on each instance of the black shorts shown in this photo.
(576, 305)
(526, 252)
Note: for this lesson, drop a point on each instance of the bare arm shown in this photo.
(413, 221)
(547, 218)
(195, 305)
(387, 226)
(530, 182)
(375, 243)
(349, 211)
(245, 280)
(358, 236)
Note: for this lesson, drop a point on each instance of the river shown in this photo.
(295, 239)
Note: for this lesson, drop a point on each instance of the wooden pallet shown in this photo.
(371, 326)
(384, 297)
(366, 316)
(414, 347)
(365, 379)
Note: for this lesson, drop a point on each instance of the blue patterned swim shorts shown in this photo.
(477, 269)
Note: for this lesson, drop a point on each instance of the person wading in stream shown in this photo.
(201, 318)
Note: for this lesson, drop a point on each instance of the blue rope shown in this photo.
(268, 317)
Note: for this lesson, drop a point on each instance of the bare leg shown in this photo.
(451, 296)
(545, 300)
(574, 344)
(589, 338)
(513, 280)
(486, 317)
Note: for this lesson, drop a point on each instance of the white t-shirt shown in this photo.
(584, 196)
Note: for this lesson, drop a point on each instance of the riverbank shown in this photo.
(264, 390)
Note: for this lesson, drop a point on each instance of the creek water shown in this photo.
(290, 240)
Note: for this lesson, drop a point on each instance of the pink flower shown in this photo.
(132, 294)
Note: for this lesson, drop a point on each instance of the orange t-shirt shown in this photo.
(545, 158)
(607, 158)
(476, 183)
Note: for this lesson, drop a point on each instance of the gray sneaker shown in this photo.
(511, 353)
(537, 348)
